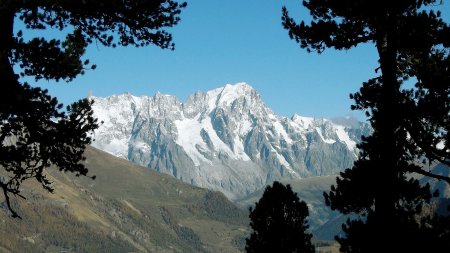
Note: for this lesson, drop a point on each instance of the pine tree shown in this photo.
(35, 132)
(279, 222)
(410, 124)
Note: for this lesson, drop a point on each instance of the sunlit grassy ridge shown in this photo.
(127, 208)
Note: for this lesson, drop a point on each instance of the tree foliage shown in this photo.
(279, 222)
(411, 124)
(35, 131)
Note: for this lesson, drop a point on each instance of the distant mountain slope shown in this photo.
(126, 209)
(225, 139)
(442, 186)
(311, 191)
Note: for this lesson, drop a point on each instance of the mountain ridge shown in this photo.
(224, 139)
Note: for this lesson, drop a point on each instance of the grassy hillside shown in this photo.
(309, 190)
(127, 208)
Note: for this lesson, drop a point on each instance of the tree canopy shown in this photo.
(279, 222)
(408, 107)
(35, 130)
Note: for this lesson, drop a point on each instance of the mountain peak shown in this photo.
(224, 139)
(230, 93)
(238, 87)
(225, 96)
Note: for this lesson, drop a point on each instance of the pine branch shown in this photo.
(8, 202)
(429, 174)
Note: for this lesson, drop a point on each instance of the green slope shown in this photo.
(127, 208)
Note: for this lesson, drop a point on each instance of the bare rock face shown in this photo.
(225, 139)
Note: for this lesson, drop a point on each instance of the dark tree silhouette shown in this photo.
(279, 222)
(35, 131)
(410, 124)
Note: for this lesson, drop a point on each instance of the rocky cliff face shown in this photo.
(225, 139)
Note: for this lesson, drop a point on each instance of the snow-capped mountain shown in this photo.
(225, 139)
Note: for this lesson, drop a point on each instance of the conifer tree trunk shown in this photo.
(6, 30)
(9, 79)
(386, 124)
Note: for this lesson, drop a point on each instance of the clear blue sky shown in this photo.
(229, 41)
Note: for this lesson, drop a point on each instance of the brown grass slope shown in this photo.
(127, 208)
